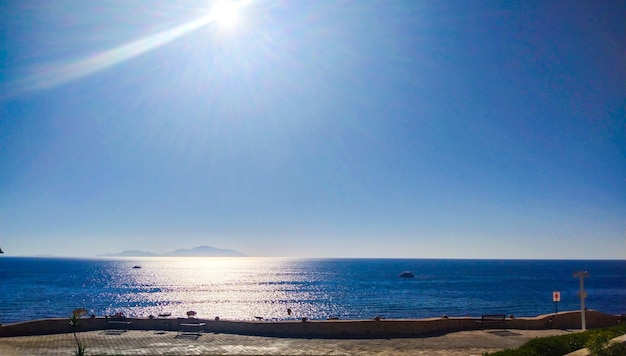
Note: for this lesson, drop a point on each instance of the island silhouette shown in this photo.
(200, 251)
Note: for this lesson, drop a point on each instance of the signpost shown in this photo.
(582, 295)
(556, 298)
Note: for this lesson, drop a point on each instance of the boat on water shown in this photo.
(136, 266)
(407, 274)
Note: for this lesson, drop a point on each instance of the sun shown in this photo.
(225, 13)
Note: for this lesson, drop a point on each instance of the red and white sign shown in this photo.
(556, 296)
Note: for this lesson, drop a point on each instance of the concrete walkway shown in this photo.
(169, 343)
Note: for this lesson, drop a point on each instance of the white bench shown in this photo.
(191, 326)
(117, 322)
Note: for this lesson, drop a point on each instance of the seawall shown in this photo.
(339, 329)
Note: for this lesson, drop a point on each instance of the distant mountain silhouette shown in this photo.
(205, 251)
(131, 253)
(200, 251)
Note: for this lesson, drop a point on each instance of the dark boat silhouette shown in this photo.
(407, 274)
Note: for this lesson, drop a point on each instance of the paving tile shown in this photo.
(169, 343)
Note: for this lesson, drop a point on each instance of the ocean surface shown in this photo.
(242, 288)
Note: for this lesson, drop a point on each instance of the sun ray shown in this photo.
(49, 76)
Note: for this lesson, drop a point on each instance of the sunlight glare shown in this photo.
(225, 13)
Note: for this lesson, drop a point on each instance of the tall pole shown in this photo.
(582, 295)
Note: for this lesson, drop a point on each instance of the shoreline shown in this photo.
(326, 329)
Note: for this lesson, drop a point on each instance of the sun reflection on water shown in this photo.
(231, 288)
(242, 288)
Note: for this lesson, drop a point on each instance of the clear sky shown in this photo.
(443, 129)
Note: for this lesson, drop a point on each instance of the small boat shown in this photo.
(136, 266)
(407, 274)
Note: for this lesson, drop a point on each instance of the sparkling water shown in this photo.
(245, 288)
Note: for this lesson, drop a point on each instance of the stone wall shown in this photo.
(327, 328)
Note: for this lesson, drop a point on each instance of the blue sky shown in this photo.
(454, 129)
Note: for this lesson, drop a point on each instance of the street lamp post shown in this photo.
(582, 295)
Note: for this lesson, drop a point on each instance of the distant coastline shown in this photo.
(200, 251)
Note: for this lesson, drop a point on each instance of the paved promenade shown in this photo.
(169, 343)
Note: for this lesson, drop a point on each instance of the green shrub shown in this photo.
(554, 345)
(599, 343)
(614, 349)
(595, 340)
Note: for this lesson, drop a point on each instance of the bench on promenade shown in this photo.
(491, 318)
(118, 322)
(190, 326)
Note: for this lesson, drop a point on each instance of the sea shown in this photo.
(242, 288)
